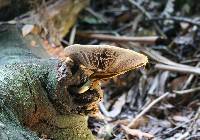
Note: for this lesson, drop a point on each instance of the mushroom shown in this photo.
(104, 61)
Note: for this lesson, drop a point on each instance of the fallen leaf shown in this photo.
(180, 118)
(136, 132)
(140, 122)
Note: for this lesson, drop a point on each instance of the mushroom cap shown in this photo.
(105, 61)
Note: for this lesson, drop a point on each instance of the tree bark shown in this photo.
(40, 94)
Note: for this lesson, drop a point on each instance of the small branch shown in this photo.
(193, 137)
(145, 40)
(184, 69)
(137, 133)
(184, 124)
(97, 15)
(147, 109)
(148, 16)
(72, 35)
(190, 78)
(167, 64)
(181, 92)
(183, 136)
(177, 19)
(191, 129)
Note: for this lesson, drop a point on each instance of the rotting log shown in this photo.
(37, 95)
(54, 17)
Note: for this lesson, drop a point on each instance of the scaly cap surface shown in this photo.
(105, 61)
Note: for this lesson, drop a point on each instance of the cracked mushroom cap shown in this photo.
(105, 61)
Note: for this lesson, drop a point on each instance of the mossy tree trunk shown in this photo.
(37, 96)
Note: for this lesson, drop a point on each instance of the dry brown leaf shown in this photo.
(121, 122)
(136, 132)
(140, 122)
(177, 83)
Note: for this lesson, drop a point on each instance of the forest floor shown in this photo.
(162, 100)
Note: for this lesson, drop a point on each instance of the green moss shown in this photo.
(73, 127)
(32, 96)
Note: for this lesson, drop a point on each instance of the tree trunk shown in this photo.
(38, 94)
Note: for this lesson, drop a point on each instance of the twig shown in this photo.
(175, 128)
(191, 128)
(65, 42)
(183, 136)
(100, 17)
(193, 137)
(195, 119)
(137, 133)
(178, 68)
(177, 19)
(137, 5)
(72, 35)
(187, 91)
(188, 81)
(134, 24)
(148, 16)
(147, 109)
(167, 64)
(145, 40)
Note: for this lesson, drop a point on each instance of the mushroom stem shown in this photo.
(90, 84)
(100, 62)
(85, 87)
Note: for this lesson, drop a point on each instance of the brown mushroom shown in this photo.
(104, 61)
